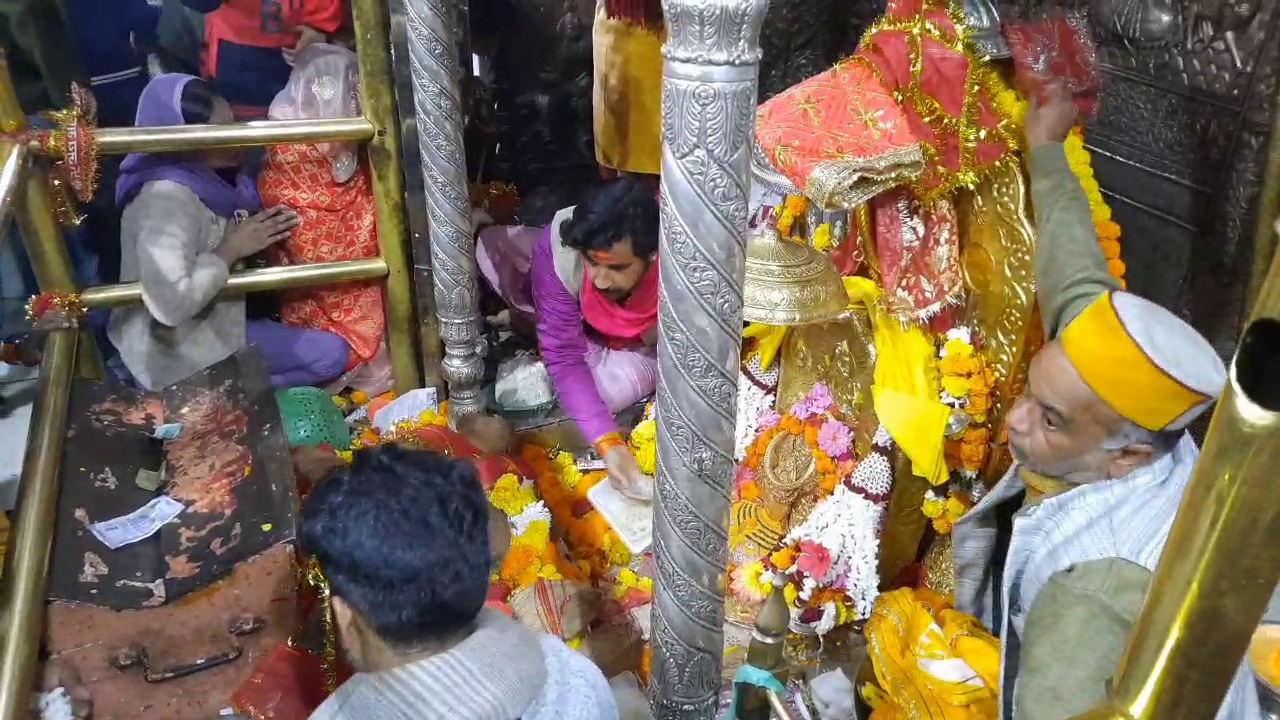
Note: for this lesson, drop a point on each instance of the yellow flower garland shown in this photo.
(532, 555)
(793, 208)
(644, 443)
(965, 376)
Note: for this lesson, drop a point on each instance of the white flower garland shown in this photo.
(752, 402)
(846, 524)
(533, 512)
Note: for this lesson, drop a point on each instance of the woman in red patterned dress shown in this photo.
(329, 188)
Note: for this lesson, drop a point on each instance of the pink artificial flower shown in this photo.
(816, 402)
(834, 438)
(769, 418)
(814, 560)
(744, 475)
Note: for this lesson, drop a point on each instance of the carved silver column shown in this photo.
(709, 80)
(433, 56)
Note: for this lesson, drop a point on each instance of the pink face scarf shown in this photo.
(623, 323)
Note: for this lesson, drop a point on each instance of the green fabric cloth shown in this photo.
(41, 58)
(1074, 636)
(1080, 621)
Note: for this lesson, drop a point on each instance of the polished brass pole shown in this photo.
(120, 141)
(22, 594)
(13, 161)
(373, 48)
(1220, 565)
(257, 280)
(41, 236)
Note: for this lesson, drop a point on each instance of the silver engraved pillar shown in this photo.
(709, 76)
(433, 56)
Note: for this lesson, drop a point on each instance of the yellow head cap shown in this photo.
(1144, 361)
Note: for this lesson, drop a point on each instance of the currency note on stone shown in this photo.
(137, 525)
(168, 431)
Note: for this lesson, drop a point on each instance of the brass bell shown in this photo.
(789, 283)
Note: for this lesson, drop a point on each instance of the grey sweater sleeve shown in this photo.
(1074, 635)
(1070, 268)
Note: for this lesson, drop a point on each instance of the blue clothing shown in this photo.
(243, 40)
(109, 37)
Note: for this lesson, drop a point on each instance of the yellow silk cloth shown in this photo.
(627, 96)
(931, 661)
(905, 392)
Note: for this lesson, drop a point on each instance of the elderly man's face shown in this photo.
(1058, 425)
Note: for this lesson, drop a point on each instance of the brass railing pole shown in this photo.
(1219, 566)
(257, 280)
(41, 235)
(13, 161)
(373, 47)
(22, 595)
(121, 141)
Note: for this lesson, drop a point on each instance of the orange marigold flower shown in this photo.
(749, 491)
(783, 559)
(1116, 268)
(1110, 249)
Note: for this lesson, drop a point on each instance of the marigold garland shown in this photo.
(793, 208)
(1079, 159)
(967, 383)
(597, 549)
(644, 443)
(944, 510)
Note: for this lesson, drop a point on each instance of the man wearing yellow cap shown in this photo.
(1058, 557)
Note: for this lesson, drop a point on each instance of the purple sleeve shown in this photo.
(563, 345)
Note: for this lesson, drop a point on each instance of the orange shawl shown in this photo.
(337, 222)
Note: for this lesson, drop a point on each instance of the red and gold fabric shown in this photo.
(489, 467)
(920, 54)
(337, 221)
(918, 248)
(840, 137)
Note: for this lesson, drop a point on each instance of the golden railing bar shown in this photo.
(258, 280)
(373, 48)
(42, 237)
(121, 141)
(13, 161)
(22, 595)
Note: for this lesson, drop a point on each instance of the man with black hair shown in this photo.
(594, 278)
(403, 538)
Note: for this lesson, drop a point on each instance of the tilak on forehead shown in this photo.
(601, 257)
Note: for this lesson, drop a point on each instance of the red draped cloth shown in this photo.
(839, 138)
(338, 221)
(945, 88)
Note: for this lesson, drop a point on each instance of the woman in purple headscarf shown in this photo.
(188, 218)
